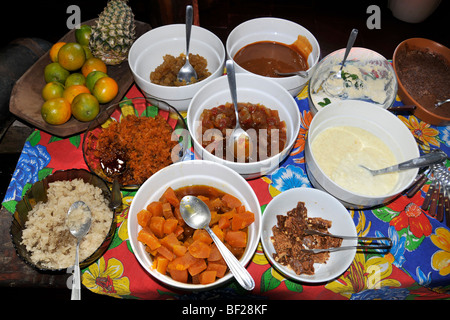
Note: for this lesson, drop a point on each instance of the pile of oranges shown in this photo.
(76, 82)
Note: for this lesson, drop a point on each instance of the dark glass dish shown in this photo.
(37, 193)
(141, 107)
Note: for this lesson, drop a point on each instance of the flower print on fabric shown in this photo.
(396, 253)
(31, 161)
(441, 259)
(289, 177)
(422, 131)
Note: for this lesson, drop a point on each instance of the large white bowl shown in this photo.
(254, 89)
(188, 173)
(273, 29)
(319, 204)
(380, 122)
(147, 53)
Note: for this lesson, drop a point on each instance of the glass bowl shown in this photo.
(37, 193)
(128, 147)
(367, 76)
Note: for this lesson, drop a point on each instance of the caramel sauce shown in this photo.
(264, 57)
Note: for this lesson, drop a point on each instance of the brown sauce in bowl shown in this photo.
(264, 57)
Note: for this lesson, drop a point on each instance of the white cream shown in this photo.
(339, 152)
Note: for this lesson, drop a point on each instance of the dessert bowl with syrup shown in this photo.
(261, 46)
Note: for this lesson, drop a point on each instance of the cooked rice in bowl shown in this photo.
(46, 235)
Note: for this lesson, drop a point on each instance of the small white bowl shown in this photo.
(147, 53)
(254, 89)
(378, 121)
(273, 29)
(318, 204)
(188, 173)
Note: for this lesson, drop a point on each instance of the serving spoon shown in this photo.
(78, 220)
(338, 75)
(434, 157)
(302, 74)
(196, 214)
(239, 141)
(187, 72)
(440, 103)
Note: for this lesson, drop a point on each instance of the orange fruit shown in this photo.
(54, 51)
(93, 64)
(92, 78)
(55, 72)
(71, 56)
(56, 111)
(71, 92)
(52, 90)
(105, 89)
(75, 78)
(82, 34)
(85, 107)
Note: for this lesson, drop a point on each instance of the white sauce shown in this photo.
(339, 152)
(361, 81)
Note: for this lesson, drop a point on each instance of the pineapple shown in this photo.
(112, 37)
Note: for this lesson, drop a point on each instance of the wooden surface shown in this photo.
(26, 99)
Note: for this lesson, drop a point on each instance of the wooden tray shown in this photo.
(26, 99)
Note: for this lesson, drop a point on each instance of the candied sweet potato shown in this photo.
(155, 208)
(143, 218)
(199, 249)
(231, 201)
(148, 239)
(157, 226)
(207, 277)
(236, 239)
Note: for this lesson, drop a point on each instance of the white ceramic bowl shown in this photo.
(254, 89)
(319, 204)
(378, 121)
(381, 91)
(147, 53)
(273, 29)
(181, 174)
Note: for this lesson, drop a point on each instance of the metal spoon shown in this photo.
(239, 141)
(116, 195)
(302, 74)
(78, 221)
(434, 157)
(334, 91)
(350, 42)
(440, 103)
(187, 72)
(196, 214)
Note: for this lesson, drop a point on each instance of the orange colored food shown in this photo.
(189, 255)
(105, 89)
(144, 144)
(93, 64)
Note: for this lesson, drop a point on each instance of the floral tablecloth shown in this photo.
(417, 267)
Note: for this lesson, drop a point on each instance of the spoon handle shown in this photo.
(240, 273)
(351, 41)
(231, 75)
(189, 19)
(76, 285)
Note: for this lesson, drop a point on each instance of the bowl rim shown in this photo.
(432, 44)
(276, 19)
(294, 194)
(110, 110)
(250, 246)
(269, 160)
(364, 104)
(315, 109)
(169, 89)
(89, 260)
